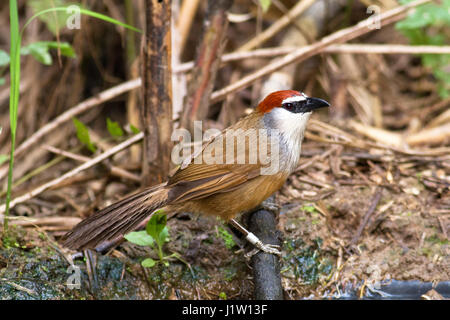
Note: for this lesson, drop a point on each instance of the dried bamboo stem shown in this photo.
(260, 53)
(301, 54)
(67, 222)
(346, 139)
(156, 112)
(187, 14)
(281, 23)
(335, 48)
(72, 112)
(116, 171)
(207, 62)
(387, 49)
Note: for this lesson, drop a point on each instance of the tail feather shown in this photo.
(116, 219)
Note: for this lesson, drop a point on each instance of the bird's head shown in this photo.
(285, 114)
(294, 102)
(288, 111)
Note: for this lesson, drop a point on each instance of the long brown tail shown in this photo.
(116, 219)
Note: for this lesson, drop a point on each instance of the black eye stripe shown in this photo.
(305, 105)
(294, 107)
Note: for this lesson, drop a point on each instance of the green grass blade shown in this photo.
(14, 96)
(16, 37)
(85, 12)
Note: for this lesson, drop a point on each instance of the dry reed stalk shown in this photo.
(301, 54)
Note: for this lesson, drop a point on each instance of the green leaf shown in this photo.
(114, 128)
(308, 208)
(156, 225)
(4, 58)
(426, 15)
(134, 129)
(54, 21)
(83, 134)
(223, 296)
(227, 238)
(65, 48)
(265, 4)
(164, 235)
(2, 81)
(148, 263)
(425, 26)
(40, 50)
(140, 238)
(3, 158)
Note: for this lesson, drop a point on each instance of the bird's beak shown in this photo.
(315, 103)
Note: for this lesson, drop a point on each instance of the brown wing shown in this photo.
(202, 178)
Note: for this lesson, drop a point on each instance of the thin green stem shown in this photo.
(160, 252)
(130, 48)
(13, 97)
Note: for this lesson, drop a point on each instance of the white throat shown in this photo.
(291, 128)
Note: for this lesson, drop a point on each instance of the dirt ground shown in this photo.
(325, 251)
(368, 204)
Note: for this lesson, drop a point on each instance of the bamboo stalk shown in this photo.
(207, 62)
(187, 14)
(156, 77)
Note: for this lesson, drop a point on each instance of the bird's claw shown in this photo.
(267, 248)
(270, 206)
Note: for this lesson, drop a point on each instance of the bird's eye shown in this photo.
(288, 106)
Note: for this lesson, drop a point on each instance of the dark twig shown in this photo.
(373, 204)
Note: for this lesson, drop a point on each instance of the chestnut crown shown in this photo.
(291, 100)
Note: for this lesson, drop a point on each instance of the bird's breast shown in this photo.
(289, 128)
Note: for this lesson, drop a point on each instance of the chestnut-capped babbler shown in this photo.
(210, 182)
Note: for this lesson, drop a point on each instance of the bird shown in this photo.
(224, 179)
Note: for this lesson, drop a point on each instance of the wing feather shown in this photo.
(198, 180)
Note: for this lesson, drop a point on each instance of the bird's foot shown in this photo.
(267, 248)
(270, 248)
(253, 239)
(270, 206)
